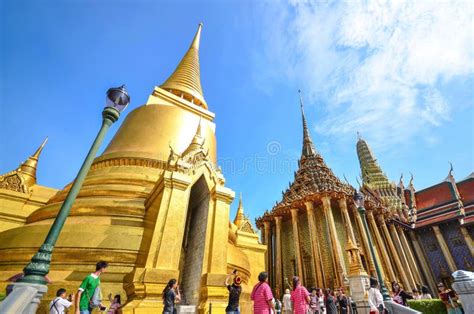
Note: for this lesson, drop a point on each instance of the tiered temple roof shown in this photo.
(446, 201)
(313, 179)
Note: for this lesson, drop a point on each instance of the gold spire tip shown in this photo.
(40, 149)
(197, 37)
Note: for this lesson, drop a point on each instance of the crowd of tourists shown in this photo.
(297, 300)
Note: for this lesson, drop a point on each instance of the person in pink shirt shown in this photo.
(262, 296)
(300, 297)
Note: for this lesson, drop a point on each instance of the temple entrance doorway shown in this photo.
(194, 241)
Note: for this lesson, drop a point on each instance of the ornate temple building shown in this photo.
(444, 226)
(315, 231)
(154, 205)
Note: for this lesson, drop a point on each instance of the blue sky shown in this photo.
(402, 75)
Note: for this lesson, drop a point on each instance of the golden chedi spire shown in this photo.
(28, 168)
(185, 81)
(308, 147)
(24, 177)
(167, 118)
(239, 217)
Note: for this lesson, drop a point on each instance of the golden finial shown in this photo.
(197, 142)
(186, 78)
(40, 149)
(28, 167)
(239, 217)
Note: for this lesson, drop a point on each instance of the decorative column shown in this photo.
(425, 267)
(398, 263)
(388, 270)
(411, 259)
(468, 240)
(445, 249)
(262, 234)
(347, 220)
(278, 260)
(401, 253)
(336, 248)
(365, 241)
(296, 239)
(315, 253)
(268, 255)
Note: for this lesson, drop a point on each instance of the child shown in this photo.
(115, 305)
(60, 303)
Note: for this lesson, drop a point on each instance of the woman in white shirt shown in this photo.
(375, 297)
(60, 303)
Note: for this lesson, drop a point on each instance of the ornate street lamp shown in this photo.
(359, 202)
(116, 101)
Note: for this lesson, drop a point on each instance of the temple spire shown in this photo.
(308, 147)
(197, 142)
(371, 172)
(185, 81)
(28, 167)
(239, 217)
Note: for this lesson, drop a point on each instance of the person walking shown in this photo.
(450, 299)
(299, 297)
(400, 296)
(375, 298)
(115, 304)
(343, 301)
(425, 294)
(171, 296)
(60, 303)
(234, 293)
(262, 296)
(329, 302)
(88, 295)
(287, 308)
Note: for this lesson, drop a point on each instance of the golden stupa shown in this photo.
(154, 205)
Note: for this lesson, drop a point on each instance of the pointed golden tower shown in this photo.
(239, 217)
(168, 117)
(23, 178)
(20, 194)
(28, 168)
(197, 142)
(185, 81)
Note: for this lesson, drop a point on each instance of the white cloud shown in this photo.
(376, 65)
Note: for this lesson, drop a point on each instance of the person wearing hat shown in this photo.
(234, 293)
